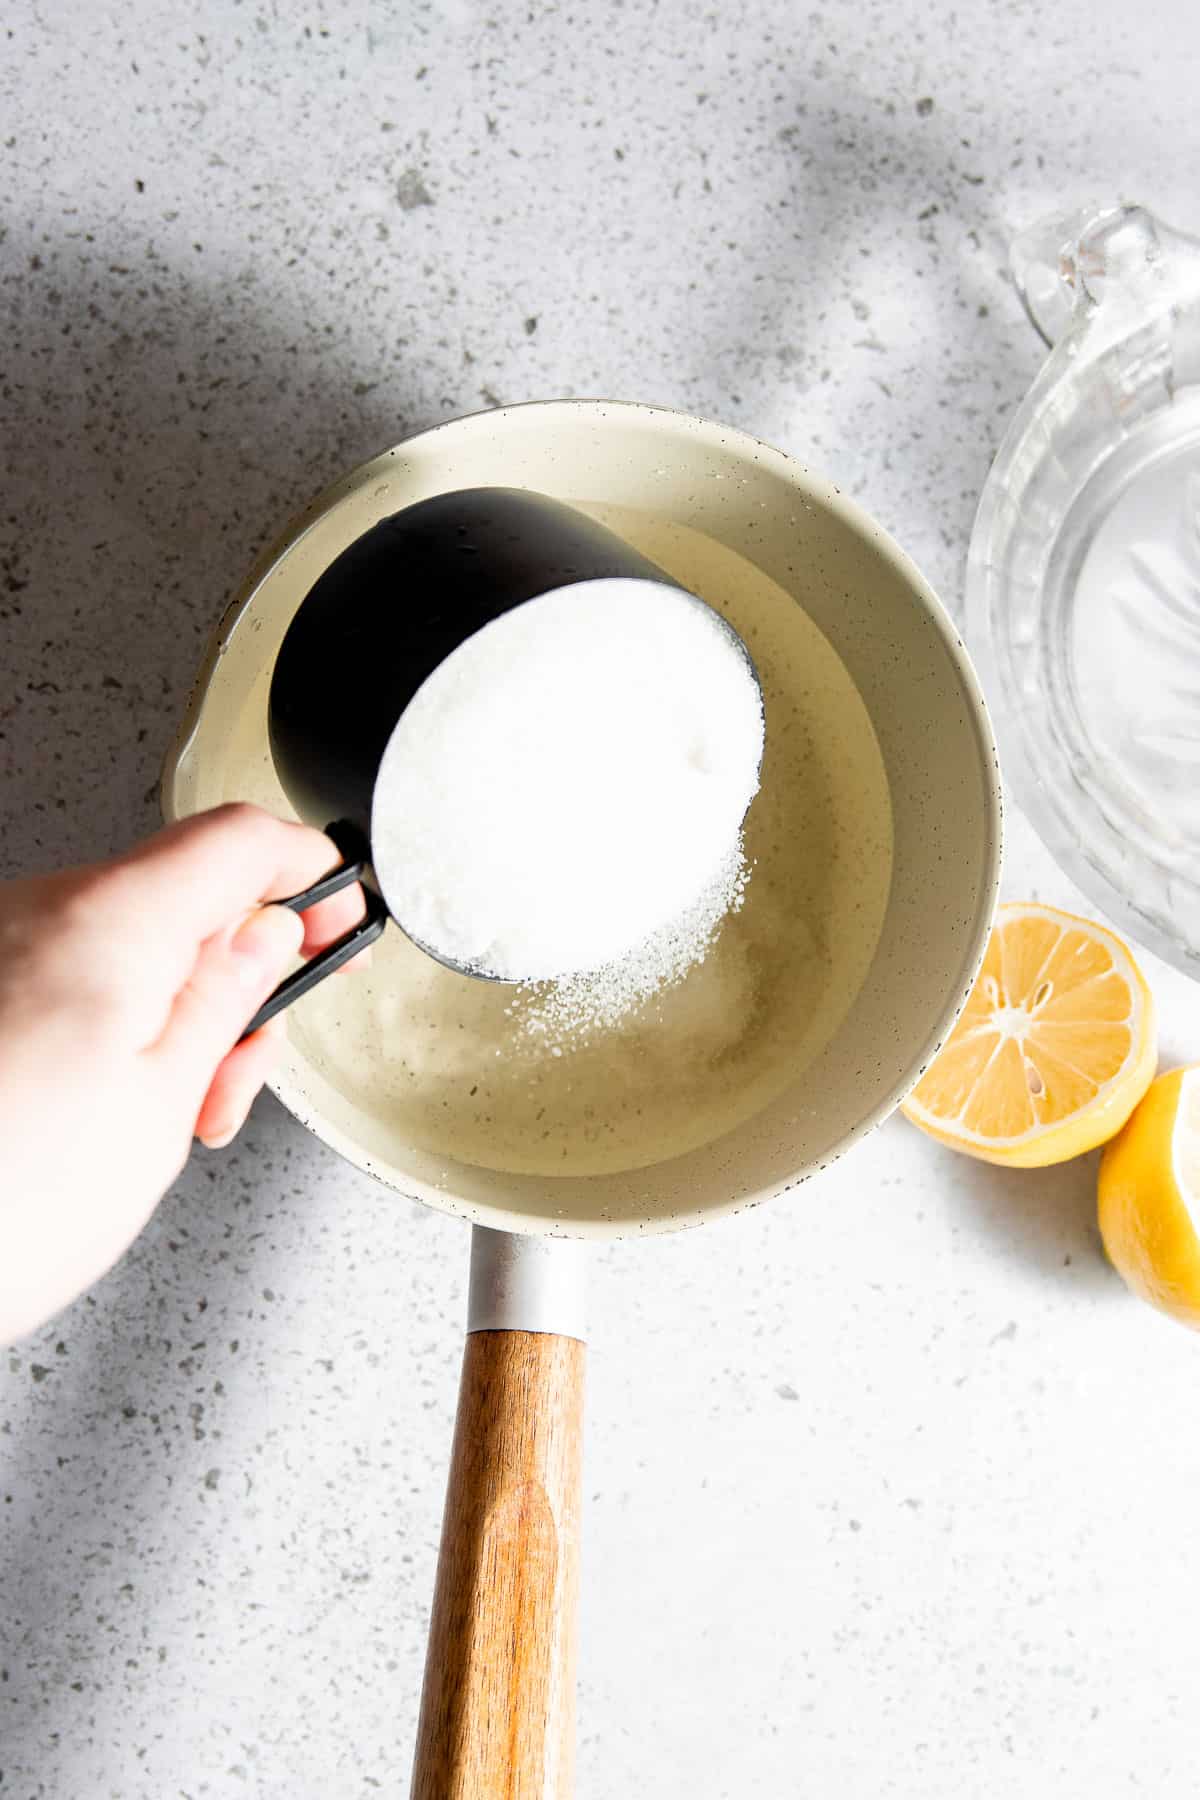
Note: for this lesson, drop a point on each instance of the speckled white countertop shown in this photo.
(891, 1489)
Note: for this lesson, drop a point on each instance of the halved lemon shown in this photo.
(1149, 1192)
(1054, 1049)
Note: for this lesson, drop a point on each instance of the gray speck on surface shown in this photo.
(411, 191)
(786, 1391)
(924, 107)
(39, 1371)
(531, 325)
(1009, 1332)
(212, 1479)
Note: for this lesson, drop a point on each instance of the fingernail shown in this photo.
(266, 938)
(217, 1140)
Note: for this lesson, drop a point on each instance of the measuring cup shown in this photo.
(1083, 580)
(498, 1700)
(373, 628)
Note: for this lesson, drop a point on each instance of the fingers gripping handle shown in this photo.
(335, 956)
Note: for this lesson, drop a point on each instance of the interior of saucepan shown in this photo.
(873, 847)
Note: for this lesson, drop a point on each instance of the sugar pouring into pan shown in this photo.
(534, 747)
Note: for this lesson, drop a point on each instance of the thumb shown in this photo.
(234, 973)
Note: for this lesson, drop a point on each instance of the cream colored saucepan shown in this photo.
(875, 844)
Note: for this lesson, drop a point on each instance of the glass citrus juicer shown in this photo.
(1083, 583)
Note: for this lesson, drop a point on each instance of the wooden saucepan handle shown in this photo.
(498, 1706)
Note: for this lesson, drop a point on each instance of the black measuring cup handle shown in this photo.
(336, 955)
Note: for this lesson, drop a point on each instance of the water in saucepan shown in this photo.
(451, 1062)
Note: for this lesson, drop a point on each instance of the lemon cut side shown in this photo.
(1054, 1049)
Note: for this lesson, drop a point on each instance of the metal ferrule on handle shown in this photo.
(521, 1283)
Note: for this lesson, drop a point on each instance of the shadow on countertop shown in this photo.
(157, 433)
(888, 325)
(1045, 1218)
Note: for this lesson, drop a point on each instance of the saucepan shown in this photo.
(874, 846)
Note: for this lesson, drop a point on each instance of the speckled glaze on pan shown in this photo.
(908, 664)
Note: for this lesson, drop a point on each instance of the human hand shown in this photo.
(124, 987)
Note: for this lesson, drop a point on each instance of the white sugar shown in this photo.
(562, 800)
(570, 1010)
